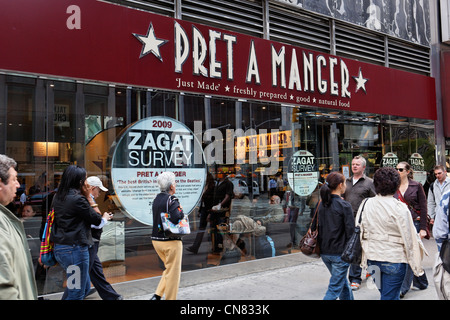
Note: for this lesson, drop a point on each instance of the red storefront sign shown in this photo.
(445, 89)
(99, 41)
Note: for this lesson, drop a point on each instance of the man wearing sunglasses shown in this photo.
(437, 189)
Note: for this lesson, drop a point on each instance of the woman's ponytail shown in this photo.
(333, 180)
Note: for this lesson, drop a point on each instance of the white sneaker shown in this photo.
(355, 286)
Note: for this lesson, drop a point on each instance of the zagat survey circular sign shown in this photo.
(418, 166)
(147, 148)
(390, 159)
(303, 176)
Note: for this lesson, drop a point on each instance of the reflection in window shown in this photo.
(267, 215)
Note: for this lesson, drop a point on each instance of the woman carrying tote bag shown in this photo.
(389, 238)
(169, 249)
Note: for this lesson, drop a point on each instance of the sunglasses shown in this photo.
(400, 169)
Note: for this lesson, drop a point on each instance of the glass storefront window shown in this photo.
(275, 156)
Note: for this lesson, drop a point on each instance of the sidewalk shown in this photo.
(289, 277)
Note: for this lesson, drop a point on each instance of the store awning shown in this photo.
(99, 41)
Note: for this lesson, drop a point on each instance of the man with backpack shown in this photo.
(436, 190)
(16, 267)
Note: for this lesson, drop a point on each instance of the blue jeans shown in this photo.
(388, 277)
(419, 282)
(74, 259)
(339, 287)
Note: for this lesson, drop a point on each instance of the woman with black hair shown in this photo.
(71, 231)
(336, 226)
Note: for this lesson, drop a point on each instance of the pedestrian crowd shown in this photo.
(392, 211)
(393, 214)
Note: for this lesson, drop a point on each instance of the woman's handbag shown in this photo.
(46, 251)
(308, 244)
(353, 251)
(174, 230)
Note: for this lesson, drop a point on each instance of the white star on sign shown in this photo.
(150, 42)
(360, 82)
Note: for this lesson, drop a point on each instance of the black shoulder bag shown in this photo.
(353, 251)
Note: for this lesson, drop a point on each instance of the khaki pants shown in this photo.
(170, 253)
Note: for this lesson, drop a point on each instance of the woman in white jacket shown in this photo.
(388, 237)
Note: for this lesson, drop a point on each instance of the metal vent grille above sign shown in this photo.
(165, 7)
(299, 29)
(359, 44)
(237, 15)
(405, 56)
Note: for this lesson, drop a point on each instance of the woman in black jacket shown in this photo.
(71, 231)
(169, 249)
(336, 226)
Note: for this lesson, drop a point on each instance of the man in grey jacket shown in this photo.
(441, 228)
(440, 233)
(437, 189)
(359, 187)
(16, 267)
(438, 202)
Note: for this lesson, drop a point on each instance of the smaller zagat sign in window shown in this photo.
(303, 176)
(147, 148)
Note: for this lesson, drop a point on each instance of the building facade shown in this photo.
(440, 62)
(273, 95)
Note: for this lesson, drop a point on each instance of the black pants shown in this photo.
(203, 223)
(104, 288)
(217, 218)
